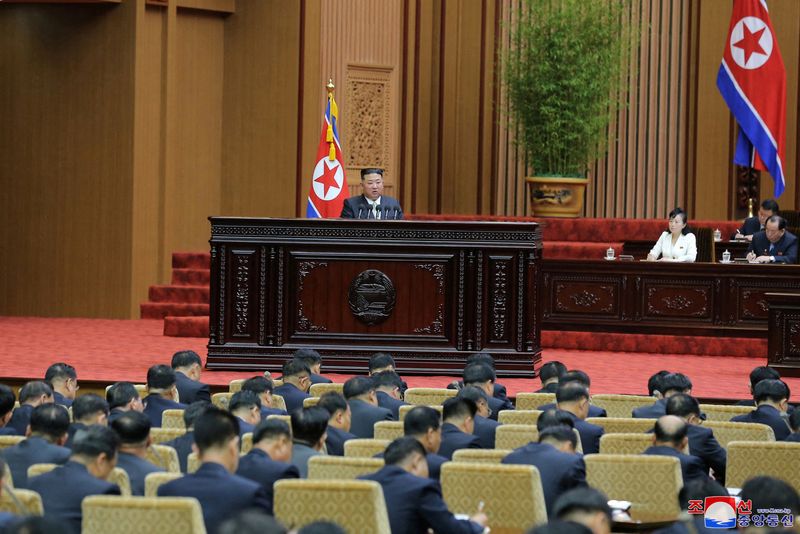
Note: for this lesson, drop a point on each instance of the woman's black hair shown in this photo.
(678, 211)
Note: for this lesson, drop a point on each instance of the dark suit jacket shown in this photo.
(34, 450)
(257, 466)
(692, 468)
(594, 411)
(190, 391)
(292, 396)
(454, 439)
(8, 431)
(244, 427)
(496, 405)
(705, 446)
(20, 419)
(364, 416)
(73, 428)
(63, 490)
(137, 469)
(221, 494)
(435, 462)
(766, 415)
(266, 412)
(390, 403)
(390, 208)
(183, 446)
(750, 226)
(552, 387)
(415, 504)
(590, 435)
(785, 250)
(319, 379)
(795, 437)
(155, 405)
(61, 399)
(485, 429)
(335, 441)
(7, 519)
(654, 411)
(559, 471)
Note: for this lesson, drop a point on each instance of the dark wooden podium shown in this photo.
(429, 293)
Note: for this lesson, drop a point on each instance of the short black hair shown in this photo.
(684, 216)
(571, 392)
(59, 371)
(160, 376)
(244, 399)
(88, 405)
(52, 420)
(387, 379)
(481, 357)
(186, 358)
(575, 375)
(654, 382)
(95, 440)
(214, 428)
(771, 205)
(357, 386)
(456, 408)
(675, 382)
(271, 429)
(559, 433)
(332, 402)
(420, 419)
(34, 389)
(309, 424)
(555, 526)
(380, 360)
(777, 219)
(768, 492)
(308, 356)
(551, 369)
(771, 390)
(698, 489)
(193, 411)
(476, 373)
(133, 428)
(120, 394)
(371, 170)
(294, 367)
(258, 384)
(555, 417)
(763, 372)
(683, 405)
(7, 399)
(400, 449)
(473, 393)
(322, 527)
(585, 499)
(252, 521)
(674, 436)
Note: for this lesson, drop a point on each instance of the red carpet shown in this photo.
(110, 350)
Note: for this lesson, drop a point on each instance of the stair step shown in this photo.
(186, 326)
(191, 277)
(191, 260)
(179, 294)
(160, 310)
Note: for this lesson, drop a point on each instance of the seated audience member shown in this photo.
(560, 468)
(339, 422)
(123, 397)
(670, 384)
(484, 428)
(313, 361)
(309, 426)
(360, 394)
(554, 417)
(162, 394)
(87, 410)
(794, 424)
(549, 373)
(676, 243)
(252, 522)
(774, 245)
(577, 376)
(6, 518)
(94, 456)
(183, 444)
(424, 424)
(755, 224)
(762, 372)
(221, 493)
(670, 438)
(459, 422)
(573, 397)
(389, 392)
(482, 376)
(63, 379)
(586, 506)
(767, 492)
(31, 395)
(44, 445)
(654, 387)
(133, 429)
(381, 361)
(499, 390)
(246, 406)
(702, 442)
(296, 381)
(263, 388)
(7, 400)
(772, 401)
(33, 524)
(188, 367)
(694, 490)
(269, 459)
(413, 500)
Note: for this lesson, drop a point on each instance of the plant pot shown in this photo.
(555, 196)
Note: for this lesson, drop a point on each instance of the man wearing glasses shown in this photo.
(64, 381)
(296, 381)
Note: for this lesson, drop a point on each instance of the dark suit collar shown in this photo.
(664, 450)
(450, 428)
(768, 409)
(212, 468)
(255, 451)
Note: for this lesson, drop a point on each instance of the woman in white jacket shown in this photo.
(677, 244)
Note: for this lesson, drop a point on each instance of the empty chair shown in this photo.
(724, 412)
(22, 502)
(235, 386)
(727, 431)
(164, 457)
(318, 390)
(532, 401)
(365, 447)
(620, 405)
(154, 480)
(622, 425)
(512, 494)
(311, 401)
(633, 443)
(162, 435)
(514, 436)
(389, 430)
(481, 456)
(518, 417)
(747, 459)
(141, 515)
(221, 400)
(408, 407)
(356, 505)
(340, 467)
(173, 419)
(649, 483)
(429, 396)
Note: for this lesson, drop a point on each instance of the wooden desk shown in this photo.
(639, 248)
(784, 333)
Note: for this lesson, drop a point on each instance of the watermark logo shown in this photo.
(730, 512)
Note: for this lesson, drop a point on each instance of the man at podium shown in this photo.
(371, 204)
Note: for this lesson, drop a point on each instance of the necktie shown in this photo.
(771, 248)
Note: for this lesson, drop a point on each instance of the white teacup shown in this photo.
(610, 253)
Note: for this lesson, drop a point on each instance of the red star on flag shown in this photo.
(749, 43)
(328, 178)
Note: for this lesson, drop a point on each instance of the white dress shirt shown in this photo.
(684, 249)
(372, 204)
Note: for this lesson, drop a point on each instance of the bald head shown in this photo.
(670, 431)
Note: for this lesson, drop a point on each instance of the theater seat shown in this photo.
(389, 430)
(340, 467)
(155, 480)
(318, 390)
(142, 515)
(620, 405)
(747, 459)
(514, 436)
(532, 401)
(404, 409)
(481, 456)
(429, 396)
(30, 501)
(518, 417)
(727, 431)
(365, 448)
(164, 457)
(633, 443)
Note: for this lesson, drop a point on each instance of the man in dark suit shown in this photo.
(309, 431)
(759, 373)
(163, 393)
(360, 394)
(133, 429)
(44, 445)
(389, 392)
(263, 388)
(582, 378)
(485, 428)
(794, 424)
(371, 204)
(482, 376)
(183, 444)
(586, 506)
(188, 367)
(573, 397)
(31, 395)
(268, 460)
(702, 442)
(313, 361)
(772, 401)
(7, 400)
(498, 390)
(774, 244)
(413, 500)
(246, 406)
(122, 397)
(87, 410)
(338, 424)
(459, 423)
(296, 381)
(670, 438)
(424, 424)
(560, 468)
(221, 493)
(669, 384)
(753, 225)
(382, 361)
(94, 455)
(549, 373)
(63, 379)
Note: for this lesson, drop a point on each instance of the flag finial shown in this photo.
(330, 87)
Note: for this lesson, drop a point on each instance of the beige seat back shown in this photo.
(724, 412)
(633, 443)
(622, 425)
(341, 467)
(118, 476)
(365, 447)
(429, 396)
(408, 407)
(747, 459)
(389, 430)
(727, 431)
(162, 435)
(10, 441)
(532, 401)
(481, 456)
(235, 386)
(221, 400)
(21, 502)
(278, 402)
(142, 515)
(164, 457)
(318, 390)
(192, 463)
(155, 480)
(518, 417)
(247, 442)
(514, 436)
(173, 419)
(310, 401)
(620, 405)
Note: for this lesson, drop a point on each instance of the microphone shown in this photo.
(378, 211)
(359, 212)
(396, 213)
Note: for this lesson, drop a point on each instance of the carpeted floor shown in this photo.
(110, 350)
